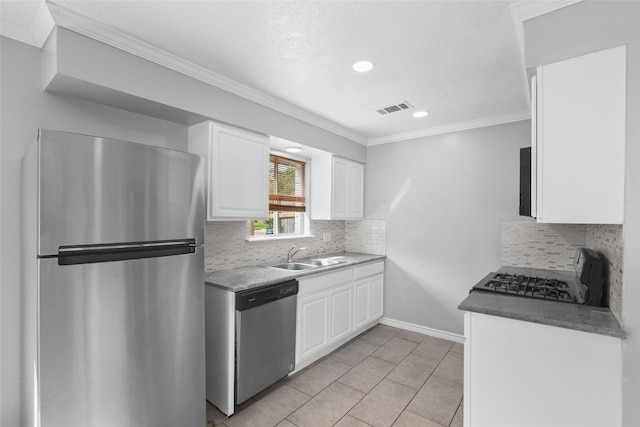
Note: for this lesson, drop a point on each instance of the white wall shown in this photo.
(444, 198)
(578, 29)
(25, 108)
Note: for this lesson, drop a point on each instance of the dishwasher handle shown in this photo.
(264, 295)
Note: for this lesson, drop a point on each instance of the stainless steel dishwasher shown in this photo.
(265, 337)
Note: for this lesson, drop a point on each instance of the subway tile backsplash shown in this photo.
(553, 246)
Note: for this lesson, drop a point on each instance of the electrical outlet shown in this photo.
(326, 237)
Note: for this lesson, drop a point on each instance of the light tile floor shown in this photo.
(384, 377)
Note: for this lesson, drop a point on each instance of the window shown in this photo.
(287, 203)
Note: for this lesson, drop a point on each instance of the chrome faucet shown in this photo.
(292, 252)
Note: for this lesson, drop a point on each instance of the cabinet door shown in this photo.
(496, 367)
(341, 312)
(581, 112)
(362, 303)
(376, 292)
(312, 324)
(239, 178)
(356, 190)
(340, 189)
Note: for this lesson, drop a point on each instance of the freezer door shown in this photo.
(122, 343)
(95, 190)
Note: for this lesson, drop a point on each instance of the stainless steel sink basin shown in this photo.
(306, 264)
(294, 266)
(323, 262)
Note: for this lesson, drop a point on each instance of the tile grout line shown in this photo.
(388, 379)
(330, 356)
(418, 390)
(378, 345)
(364, 394)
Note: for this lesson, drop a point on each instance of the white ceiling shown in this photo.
(460, 60)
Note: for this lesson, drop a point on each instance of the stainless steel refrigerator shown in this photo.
(113, 284)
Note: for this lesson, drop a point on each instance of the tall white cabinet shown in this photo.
(578, 139)
(236, 170)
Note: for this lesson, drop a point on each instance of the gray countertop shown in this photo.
(242, 279)
(597, 320)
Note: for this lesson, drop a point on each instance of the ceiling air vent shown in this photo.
(393, 108)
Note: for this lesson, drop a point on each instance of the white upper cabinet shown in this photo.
(337, 188)
(578, 139)
(236, 170)
(355, 189)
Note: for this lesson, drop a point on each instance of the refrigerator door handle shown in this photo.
(87, 254)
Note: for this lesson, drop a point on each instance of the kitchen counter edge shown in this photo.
(245, 278)
(596, 320)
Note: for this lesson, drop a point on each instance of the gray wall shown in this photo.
(586, 27)
(88, 68)
(25, 108)
(444, 198)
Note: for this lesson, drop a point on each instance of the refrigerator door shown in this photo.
(95, 190)
(122, 343)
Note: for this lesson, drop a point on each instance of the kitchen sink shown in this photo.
(294, 266)
(323, 262)
(307, 264)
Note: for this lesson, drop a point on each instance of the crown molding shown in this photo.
(455, 127)
(81, 24)
(51, 14)
(34, 34)
(527, 9)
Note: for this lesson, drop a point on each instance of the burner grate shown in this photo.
(528, 286)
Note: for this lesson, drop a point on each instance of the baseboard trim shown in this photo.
(422, 330)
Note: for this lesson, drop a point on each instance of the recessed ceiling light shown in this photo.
(363, 66)
(419, 114)
(293, 149)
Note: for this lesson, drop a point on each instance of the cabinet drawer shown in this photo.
(369, 270)
(324, 281)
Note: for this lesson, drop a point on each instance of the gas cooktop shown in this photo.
(583, 287)
(529, 286)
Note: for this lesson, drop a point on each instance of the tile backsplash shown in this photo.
(607, 239)
(534, 245)
(553, 246)
(367, 237)
(226, 246)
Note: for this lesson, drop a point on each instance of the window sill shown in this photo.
(278, 237)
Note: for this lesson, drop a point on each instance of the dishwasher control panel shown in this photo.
(257, 297)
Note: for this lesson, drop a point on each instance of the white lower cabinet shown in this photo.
(312, 327)
(525, 374)
(368, 304)
(376, 292)
(335, 307)
(341, 312)
(363, 304)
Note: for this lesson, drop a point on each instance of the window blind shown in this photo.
(286, 184)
